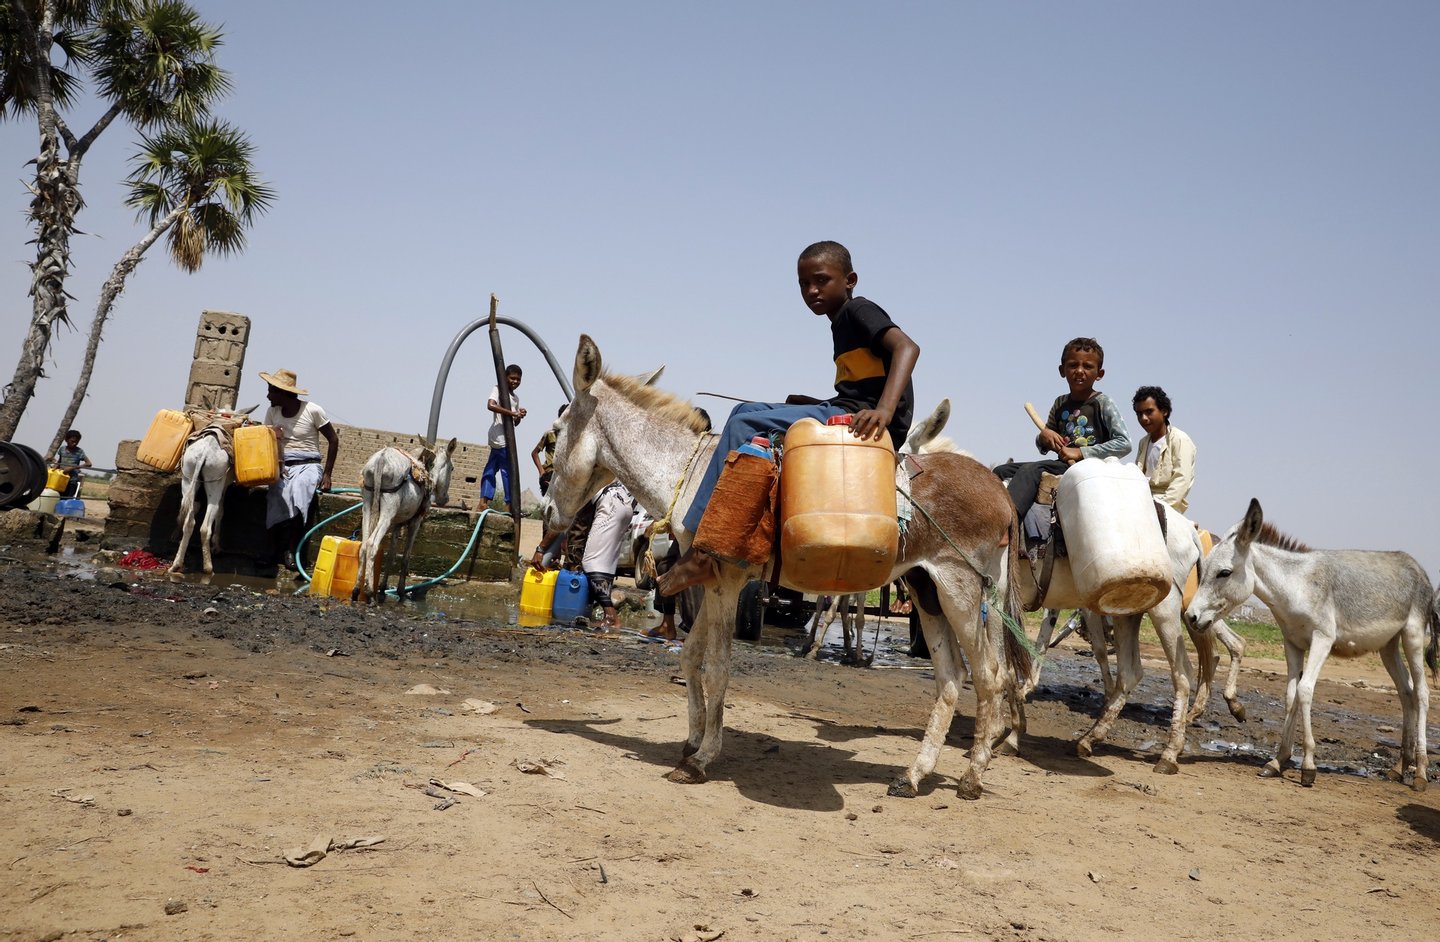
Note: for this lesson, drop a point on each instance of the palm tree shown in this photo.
(150, 61)
(195, 182)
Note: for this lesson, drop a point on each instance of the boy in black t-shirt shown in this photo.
(1082, 424)
(873, 362)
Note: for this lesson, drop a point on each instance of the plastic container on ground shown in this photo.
(164, 441)
(537, 597)
(1117, 553)
(838, 531)
(57, 480)
(324, 570)
(45, 503)
(257, 456)
(73, 507)
(347, 567)
(572, 596)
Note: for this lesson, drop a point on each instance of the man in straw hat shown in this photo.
(298, 426)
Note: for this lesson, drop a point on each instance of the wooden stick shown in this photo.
(547, 899)
(1035, 417)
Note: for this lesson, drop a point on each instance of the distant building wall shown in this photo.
(358, 444)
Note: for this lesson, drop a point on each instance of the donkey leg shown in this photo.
(1405, 690)
(412, 529)
(1319, 651)
(1207, 660)
(947, 690)
(1127, 674)
(1294, 664)
(960, 597)
(1414, 644)
(705, 660)
(207, 530)
(1236, 646)
(187, 518)
(1167, 617)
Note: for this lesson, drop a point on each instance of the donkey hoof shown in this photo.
(1006, 748)
(901, 788)
(1395, 774)
(688, 750)
(1167, 766)
(1085, 748)
(1237, 710)
(1271, 770)
(686, 773)
(1307, 777)
(1419, 784)
(970, 787)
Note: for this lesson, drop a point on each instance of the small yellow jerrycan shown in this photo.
(537, 597)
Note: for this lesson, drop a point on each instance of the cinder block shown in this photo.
(224, 324)
(205, 396)
(215, 374)
(220, 350)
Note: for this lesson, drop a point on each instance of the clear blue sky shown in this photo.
(1239, 200)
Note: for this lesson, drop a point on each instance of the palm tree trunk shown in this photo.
(109, 291)
(56, 200)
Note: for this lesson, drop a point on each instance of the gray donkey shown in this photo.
(1349, 602)
(397, 489)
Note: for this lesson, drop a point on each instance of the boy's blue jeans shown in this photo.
(746, 421)
(497, 463)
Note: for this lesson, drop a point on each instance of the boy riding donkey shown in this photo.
(873, 362)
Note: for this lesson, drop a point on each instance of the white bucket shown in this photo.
(45, 503)
(1117, 553)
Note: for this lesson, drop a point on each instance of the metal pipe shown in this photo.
(507, 422)
(443, 376)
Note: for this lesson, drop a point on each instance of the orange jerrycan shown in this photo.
(257, 456)
(164, 441)
(838, 531)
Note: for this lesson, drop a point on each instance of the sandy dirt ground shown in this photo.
(162, 746)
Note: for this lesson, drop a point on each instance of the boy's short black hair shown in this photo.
(1162, 401)
(1085, 345)
(514, 368)
(828, 251)
(72, 432)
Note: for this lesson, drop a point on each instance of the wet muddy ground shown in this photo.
(211, 727)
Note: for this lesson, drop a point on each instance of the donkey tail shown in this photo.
(1432, 649)
(1025, 669)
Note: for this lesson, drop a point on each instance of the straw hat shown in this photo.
(284, 379)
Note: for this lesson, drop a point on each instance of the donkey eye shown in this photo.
(1223, 574)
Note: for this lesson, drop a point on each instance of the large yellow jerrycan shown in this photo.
(164, 441)
(838, 531)
(257, 456)
(324, 571)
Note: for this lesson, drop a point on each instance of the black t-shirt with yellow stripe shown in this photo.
(862, 363)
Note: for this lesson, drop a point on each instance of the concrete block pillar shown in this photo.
(215, 373)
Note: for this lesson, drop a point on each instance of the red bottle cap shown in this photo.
(761, 441)
(845, 419)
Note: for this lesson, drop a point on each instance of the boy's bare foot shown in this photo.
(482, 504)
(662, 630)
(693, 568)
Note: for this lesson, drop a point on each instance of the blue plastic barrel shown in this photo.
(572, 597)
(72, 507)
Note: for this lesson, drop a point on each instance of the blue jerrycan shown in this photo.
(572, 597)
(759, 446)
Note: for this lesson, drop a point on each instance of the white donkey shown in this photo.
(654, 443)
(1349, 602)
(396, 490)
(206, 462)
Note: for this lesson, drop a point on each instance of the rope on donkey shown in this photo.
(664, 521)
(1011, 625)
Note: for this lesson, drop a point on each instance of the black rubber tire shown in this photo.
(23, 474)
(644, 581)
(750, 612)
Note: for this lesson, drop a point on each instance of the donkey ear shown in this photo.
(931, 426)
(1250, 526)
(587, 364)
(649, 378)
(450, 448)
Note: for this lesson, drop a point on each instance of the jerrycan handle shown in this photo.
(845, 418)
